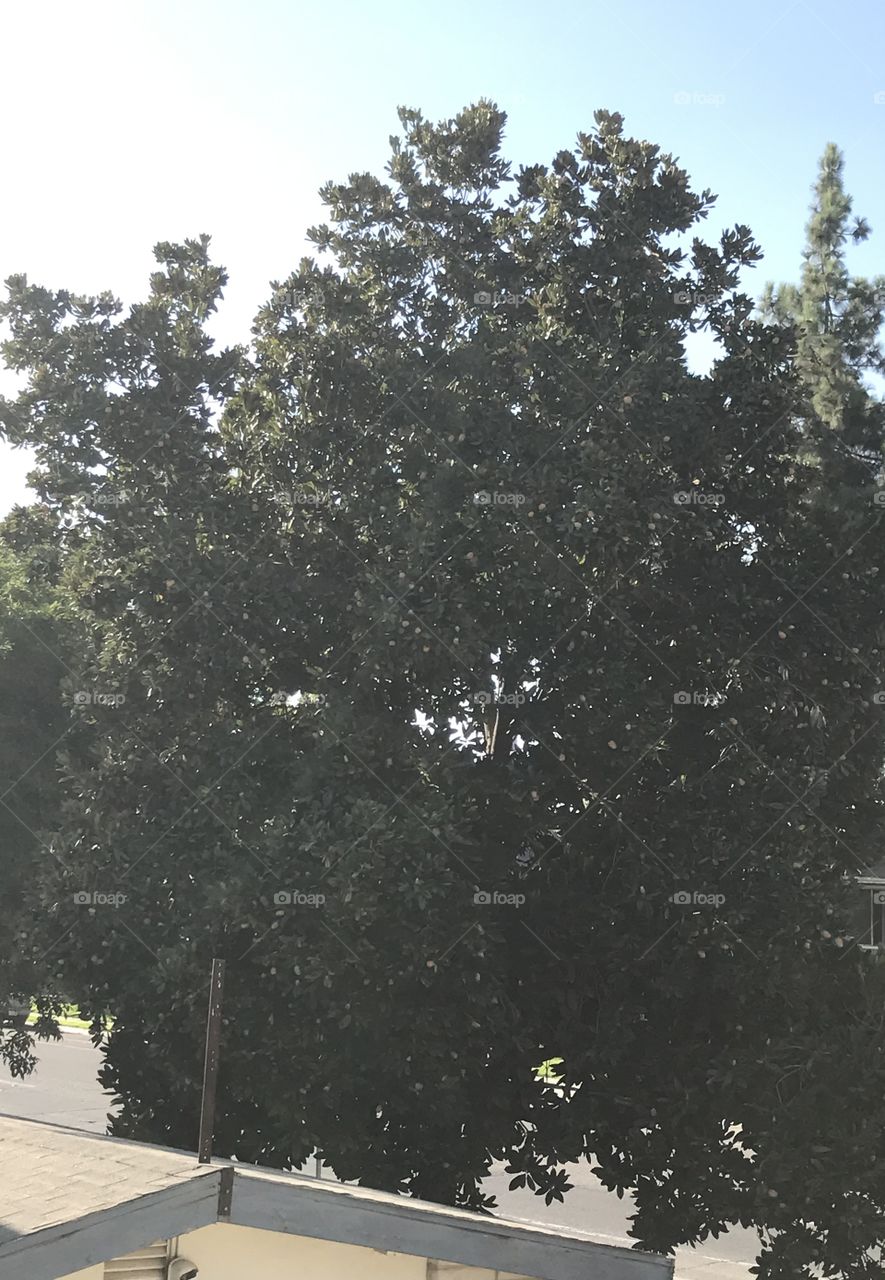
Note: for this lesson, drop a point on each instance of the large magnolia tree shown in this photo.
(486, 688)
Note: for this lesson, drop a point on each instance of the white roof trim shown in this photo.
(350, 1215)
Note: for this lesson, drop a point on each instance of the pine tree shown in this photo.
(837, 316)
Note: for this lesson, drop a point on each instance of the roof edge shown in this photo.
(432, 1231)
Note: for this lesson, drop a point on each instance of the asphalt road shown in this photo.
(64, 1089)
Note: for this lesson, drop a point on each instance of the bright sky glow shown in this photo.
(128, 123)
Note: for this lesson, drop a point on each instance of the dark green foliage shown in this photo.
(463, 615)
(33, 724)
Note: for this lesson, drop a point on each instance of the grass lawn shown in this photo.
(70, 1018)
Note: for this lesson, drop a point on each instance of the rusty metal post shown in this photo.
(210, 1066)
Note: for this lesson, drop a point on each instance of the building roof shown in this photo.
(50, 1175)
(69, 1200)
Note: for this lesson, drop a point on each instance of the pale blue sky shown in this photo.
(126, 123)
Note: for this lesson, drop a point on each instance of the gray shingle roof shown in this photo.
(50, 1175)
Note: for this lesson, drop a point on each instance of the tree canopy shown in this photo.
(476, 680)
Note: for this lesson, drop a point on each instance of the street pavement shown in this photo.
(63, 1089)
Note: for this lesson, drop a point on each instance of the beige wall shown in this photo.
(225, 1252)
(455, 1271)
